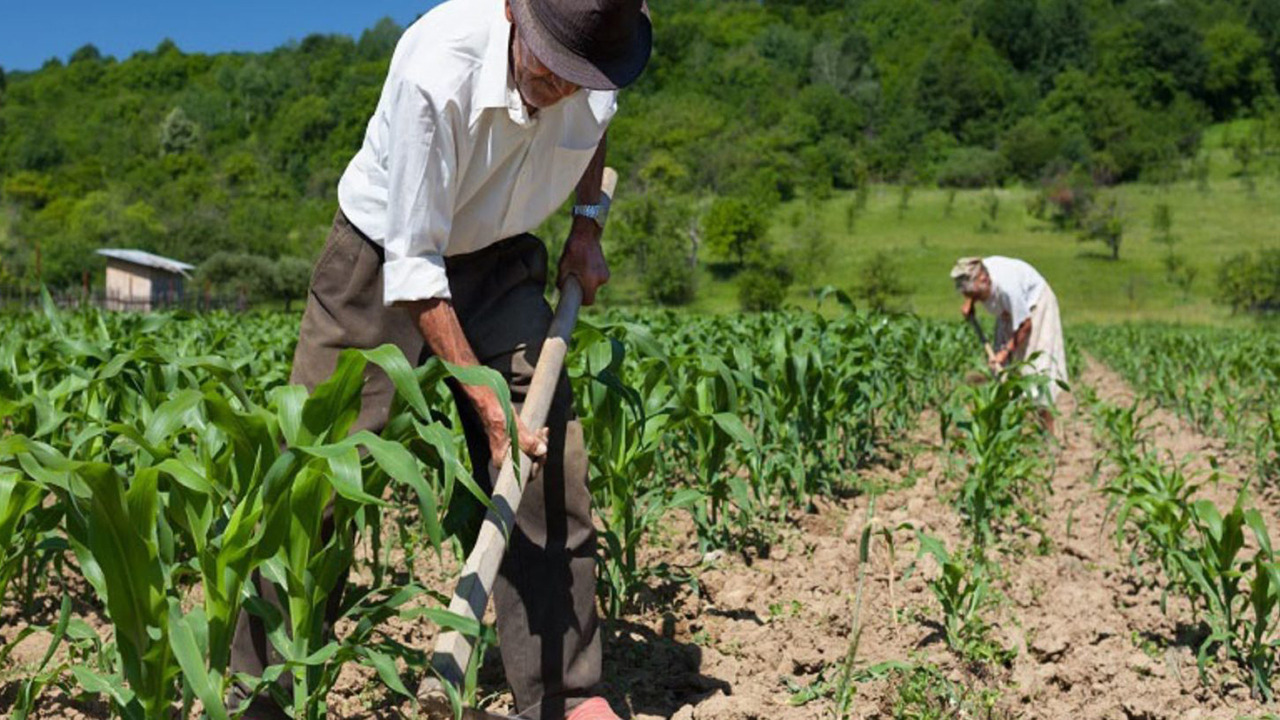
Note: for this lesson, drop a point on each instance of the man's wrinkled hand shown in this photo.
(533, 444)
(999, 360)
(584, 259)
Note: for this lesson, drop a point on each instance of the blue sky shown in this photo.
(32, 31)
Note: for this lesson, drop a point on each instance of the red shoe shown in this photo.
(594, 709)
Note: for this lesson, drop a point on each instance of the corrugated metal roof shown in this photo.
(141, 257)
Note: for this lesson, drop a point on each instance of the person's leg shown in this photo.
(344, 309)
(1047, 421)
(1054, 343)
(545, 594)
(1044, 347)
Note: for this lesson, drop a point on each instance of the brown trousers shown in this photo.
(544, 597)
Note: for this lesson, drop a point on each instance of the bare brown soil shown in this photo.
(1089, 635)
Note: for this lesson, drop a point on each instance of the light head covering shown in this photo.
(965, 271)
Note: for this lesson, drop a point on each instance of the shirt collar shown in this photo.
(495, 86)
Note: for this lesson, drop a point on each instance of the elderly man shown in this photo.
(492, 112)
(1027, 322)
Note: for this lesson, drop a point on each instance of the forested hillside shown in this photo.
(750, 103)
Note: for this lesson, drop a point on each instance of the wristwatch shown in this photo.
(597, 212)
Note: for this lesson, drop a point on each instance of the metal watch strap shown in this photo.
(597, 212)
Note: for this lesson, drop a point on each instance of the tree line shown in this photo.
(746, 104)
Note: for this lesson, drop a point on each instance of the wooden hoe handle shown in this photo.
(452, 653)
(974, 323)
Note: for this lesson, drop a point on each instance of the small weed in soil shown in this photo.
(923, 692)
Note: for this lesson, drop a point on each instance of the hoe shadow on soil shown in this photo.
(645, 672)
(937, 633)
(1190, 636)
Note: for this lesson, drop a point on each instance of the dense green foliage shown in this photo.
(1251, 282)
(189, 154)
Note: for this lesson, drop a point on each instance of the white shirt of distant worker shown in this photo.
(1028, 326)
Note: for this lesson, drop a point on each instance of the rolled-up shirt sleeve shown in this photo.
(422, 170)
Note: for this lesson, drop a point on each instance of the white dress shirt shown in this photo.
(452, 162)
(1015, 288)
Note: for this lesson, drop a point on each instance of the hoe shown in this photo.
(972, 317)
(452, 652)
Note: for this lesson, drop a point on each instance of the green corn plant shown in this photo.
(25, 525)
(1000, 443)
(626, 427)
(708, 416)
(1242, 613)
(1124, 434)
(1261, 650)
(32, 687)
(782, 469)
(83, 648)
(962, 590)
(323, 470)
(111, 526)
(1154, 506)
(1267, 449)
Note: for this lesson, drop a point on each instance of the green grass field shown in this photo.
(924, 242)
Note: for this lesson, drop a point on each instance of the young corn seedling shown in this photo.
(1154, 511)
(625, 427)
(844, 689)
(83, 647)
(962, 589)
(1003, 471)
(25, 523)
(708, 405)
(1124, 434)
(1239, 597)
(1268, 445)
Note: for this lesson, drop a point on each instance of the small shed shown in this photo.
(138, 280)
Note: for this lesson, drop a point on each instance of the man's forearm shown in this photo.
(583, 257)
(440, 328)
(588, 191)
(1020, 336)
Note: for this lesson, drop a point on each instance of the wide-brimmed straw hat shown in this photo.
(595, 44)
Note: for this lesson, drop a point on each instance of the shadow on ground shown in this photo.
(646, 673)
(649, 674)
